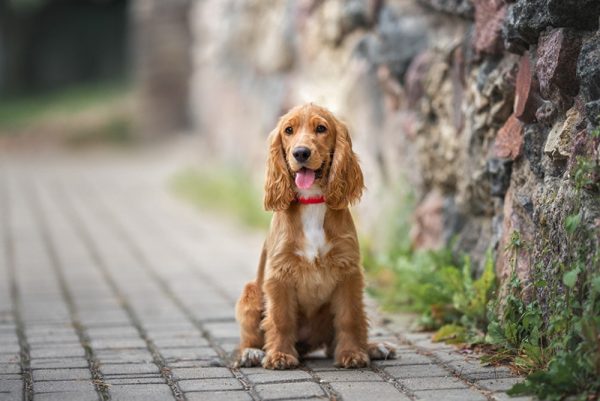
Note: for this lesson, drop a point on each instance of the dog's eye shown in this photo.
(321, 128)
(289, 130)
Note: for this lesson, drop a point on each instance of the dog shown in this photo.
(308, 293)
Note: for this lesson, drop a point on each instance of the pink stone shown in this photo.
(509, 141)
(489, 17)
(527, 98)
(556, 65)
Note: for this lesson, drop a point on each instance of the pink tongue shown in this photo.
(305, 178)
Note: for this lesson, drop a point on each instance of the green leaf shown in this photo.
(572, 222)
(570, 278)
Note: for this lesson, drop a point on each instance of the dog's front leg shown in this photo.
(280, 325)
(350, 322)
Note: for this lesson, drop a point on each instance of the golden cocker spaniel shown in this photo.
(309, 289)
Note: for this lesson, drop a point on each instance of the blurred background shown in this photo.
(475, 120)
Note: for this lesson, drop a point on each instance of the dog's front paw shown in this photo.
(279, 360)
(383, 350)
(352, 359)
(250, 357)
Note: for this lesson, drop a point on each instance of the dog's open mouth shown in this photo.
(306, 177)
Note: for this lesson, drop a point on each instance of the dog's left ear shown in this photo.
(345, 182)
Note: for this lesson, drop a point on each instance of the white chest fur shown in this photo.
(315, 244)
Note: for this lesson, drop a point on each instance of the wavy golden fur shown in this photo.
(308, 292)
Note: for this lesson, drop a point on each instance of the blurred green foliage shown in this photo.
(20, 112)
(227, 190)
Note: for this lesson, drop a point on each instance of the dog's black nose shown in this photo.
(301, 154)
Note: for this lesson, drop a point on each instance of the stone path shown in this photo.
(110, 289)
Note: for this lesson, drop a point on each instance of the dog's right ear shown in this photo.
(279, 191)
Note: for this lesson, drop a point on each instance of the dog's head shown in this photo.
(311, 151)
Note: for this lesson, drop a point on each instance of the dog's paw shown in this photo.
(280, 360)
(352, 359)
(250, 357)
(383, 350)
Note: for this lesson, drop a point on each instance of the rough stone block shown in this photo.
(527, 98)
(558, 143)
(489, 18)
(509, 140)
(556, 64)
(588, 69)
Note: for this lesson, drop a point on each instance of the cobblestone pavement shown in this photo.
(110, 289)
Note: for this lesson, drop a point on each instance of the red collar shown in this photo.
(311, 201)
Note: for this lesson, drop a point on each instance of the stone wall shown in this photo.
(480, 108)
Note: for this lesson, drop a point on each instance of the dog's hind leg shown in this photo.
(249, 312)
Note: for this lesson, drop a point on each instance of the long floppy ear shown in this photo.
(279, 190)
(345, 183)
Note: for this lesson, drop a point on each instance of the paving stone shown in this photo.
(61, 374)
(134, 380)
(201, 373)
(491, 372)
(375, 391)
(147, 392)
(218, 396)
(405, 359)
(128, 368)
(10, 348)
(62, 385)
(197, 363)
(319, 364)
(11, 386)
(68, 396)
(289, 390)
(124, 356)
(210, 384)
(450, 395)
(12, 357)
(350, 376)
(499, 384)
(113, 343)
(408, 371)
(432, 383)
(505, 397)
(10, 368)
(58, 363)
(175, 342)
(57, 352)
(260, 375)
(188, 353)
(465, 367)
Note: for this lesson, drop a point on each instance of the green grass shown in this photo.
(227, 190)
(19, 112)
